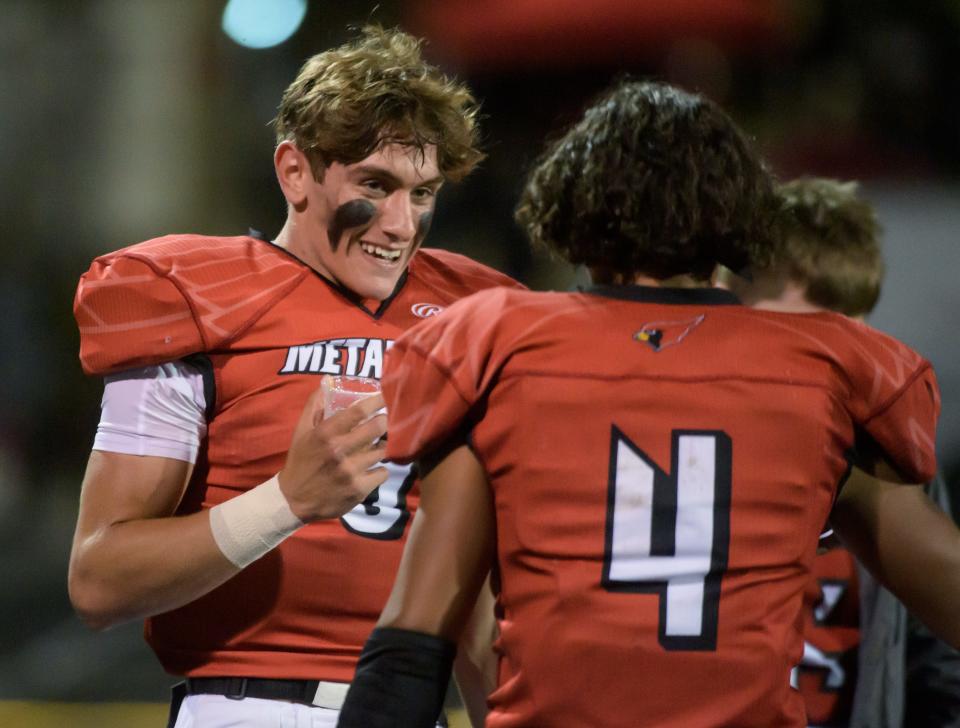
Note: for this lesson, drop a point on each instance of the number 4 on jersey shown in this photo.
(669, 534)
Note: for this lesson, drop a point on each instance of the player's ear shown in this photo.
(293, 172)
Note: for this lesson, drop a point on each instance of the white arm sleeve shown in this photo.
(157, 410)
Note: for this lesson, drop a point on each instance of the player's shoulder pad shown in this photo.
(901, 400)
(169, 297)
(886, 357)
(482, 320)
(856, 346)
(455, 276)
(879, 366)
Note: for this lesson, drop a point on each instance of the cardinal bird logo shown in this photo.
(658, 335)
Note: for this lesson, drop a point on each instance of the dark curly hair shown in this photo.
(349, 101)
(651, 180)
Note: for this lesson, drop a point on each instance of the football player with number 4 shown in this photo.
(258, 538)
(646, 464)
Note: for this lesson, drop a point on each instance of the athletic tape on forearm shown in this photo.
(250, 525)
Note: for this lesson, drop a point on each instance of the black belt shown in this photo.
(238, 688)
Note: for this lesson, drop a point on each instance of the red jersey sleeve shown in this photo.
(438, 370)
(174, 296)
(127, 314)
(443, 267)
(897, 403)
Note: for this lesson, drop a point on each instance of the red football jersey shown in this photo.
(662, 461)
(827, 674)
(270, 327)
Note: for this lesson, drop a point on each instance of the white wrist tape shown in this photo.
(250, 525)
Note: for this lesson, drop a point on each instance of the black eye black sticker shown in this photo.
(423, 227)
(353, 214)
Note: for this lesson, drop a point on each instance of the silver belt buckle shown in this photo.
(330, 694)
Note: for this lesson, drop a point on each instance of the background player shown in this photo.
(204, 471)
(829, 259)
(648, 464)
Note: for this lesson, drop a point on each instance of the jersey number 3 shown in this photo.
(383, 514)
(669, 533)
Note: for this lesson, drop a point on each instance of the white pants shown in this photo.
(219, 711)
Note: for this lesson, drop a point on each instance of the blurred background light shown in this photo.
(262, 23)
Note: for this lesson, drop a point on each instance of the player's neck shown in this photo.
(683, 281)
(289, 239)
(791, 298)
(285, 238)
(641, 279)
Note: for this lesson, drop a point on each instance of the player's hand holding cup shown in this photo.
(340, 392)
(333, 459)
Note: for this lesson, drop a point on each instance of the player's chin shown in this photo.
(379, 285)
(374, 278)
